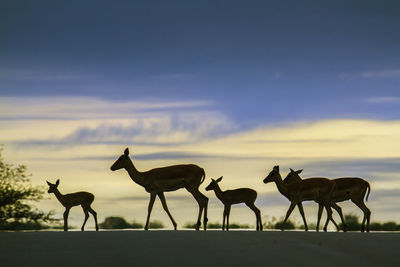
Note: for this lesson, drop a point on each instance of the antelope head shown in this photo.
(293, 176)
(53, 187)
(273, 175)
(213, 184)
(122, 161)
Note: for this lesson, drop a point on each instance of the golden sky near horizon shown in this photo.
(73, 139)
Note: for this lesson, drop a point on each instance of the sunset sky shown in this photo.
(235, 87)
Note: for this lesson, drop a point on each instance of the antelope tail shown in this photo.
(369, 189)
(203, 176)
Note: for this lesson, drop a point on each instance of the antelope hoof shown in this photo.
(146, 228)
(325, 229)
(306, 229)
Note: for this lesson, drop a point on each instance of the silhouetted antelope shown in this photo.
(171, 178)
(84, 199)
(318, 189)
(347, 188)
(236, 196)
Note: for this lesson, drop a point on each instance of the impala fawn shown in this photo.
(236, 196)
(74, 199)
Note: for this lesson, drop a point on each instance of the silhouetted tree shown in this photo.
(16, 195)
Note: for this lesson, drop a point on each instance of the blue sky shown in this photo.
(261, 61)
(304, 84)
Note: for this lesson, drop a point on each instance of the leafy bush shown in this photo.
(16, 197)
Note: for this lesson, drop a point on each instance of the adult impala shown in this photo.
(347, 188)
(318, 189)
(236, 196)
(159, 180)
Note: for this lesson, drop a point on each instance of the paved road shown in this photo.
(190, 248)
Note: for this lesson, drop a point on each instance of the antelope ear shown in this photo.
(212, 180)
(126, 152)
(276, 167)
(219, 179)
(291, 170)
(48, 183)
(299, 171)
(58, 182)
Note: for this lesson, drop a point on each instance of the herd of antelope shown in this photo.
(324, 191)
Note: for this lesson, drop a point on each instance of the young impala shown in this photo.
(236, 196)
(318, 189)
(84, 199)
(347, 188)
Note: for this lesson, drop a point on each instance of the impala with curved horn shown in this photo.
(159, 180)
(347, 188)
(318, 189)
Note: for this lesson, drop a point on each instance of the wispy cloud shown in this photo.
(167, 129)
(77, 121)
(395, 73)
(382, 99)
(86, 107)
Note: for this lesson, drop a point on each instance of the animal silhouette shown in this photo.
(317, 189)
(84, 199)
(165, 179)
(236, 196)
(347, 188)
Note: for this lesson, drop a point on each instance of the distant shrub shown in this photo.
(289, 225)
(389, 226)
(136, 225)
(190, 225)
(239, 226)
(311, 226)
(114, 222)
(352, 222)
(217, 225)
(269, 223)
(156, 224)
(375, 226)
